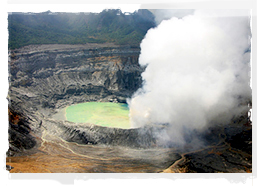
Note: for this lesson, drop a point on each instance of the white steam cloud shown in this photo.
(197, 72)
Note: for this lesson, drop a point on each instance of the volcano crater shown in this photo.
(45, 79)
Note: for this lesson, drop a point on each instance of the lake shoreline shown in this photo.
(61, 114)
(105, 114)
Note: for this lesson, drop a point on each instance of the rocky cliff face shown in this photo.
(56, 75)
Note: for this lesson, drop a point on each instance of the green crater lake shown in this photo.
(105, 114)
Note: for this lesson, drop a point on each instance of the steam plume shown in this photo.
(196, 72)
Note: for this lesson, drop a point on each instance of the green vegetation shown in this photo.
(99, 113)
(78, 28)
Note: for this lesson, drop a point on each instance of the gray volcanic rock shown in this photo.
(57, 75)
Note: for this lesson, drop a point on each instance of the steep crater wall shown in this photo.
(59, 75)
(46, 78)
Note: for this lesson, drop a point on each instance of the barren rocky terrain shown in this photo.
(46, 78)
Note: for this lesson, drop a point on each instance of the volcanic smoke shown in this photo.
(197, 72)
